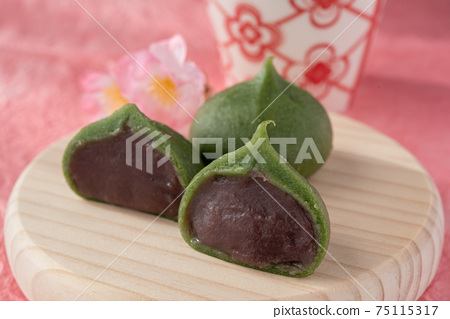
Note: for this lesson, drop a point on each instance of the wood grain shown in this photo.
(386, 241)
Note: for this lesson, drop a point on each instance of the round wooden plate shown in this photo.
(386, 236)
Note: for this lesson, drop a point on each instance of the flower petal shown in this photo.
(171, 52)
(133, 75)
(191, 73)
(94, 81)
(90, 103)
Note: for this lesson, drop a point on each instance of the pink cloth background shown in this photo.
(46, 45)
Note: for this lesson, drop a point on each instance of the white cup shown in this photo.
(318, 44)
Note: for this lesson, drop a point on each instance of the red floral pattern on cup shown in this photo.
(251, 33)
(322, 13)
(296, 32)
(321, 69)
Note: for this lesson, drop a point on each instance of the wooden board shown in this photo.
(386, 241)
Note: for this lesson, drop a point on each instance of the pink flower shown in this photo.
(251, 33)
(102, 95)
(158, 80)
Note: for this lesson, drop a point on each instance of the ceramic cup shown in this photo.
(318, 44)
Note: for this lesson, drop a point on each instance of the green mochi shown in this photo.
(237, 111)
(134, 120)
(279, 173)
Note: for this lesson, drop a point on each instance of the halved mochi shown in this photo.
(256, 211)
(131, 161)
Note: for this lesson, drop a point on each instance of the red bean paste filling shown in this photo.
(99, 172)
(236, 216)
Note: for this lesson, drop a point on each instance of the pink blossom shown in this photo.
(158, 80)
(101, 95)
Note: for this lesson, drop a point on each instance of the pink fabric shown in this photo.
(45, 46)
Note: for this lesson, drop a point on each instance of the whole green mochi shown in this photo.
(237, 111)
